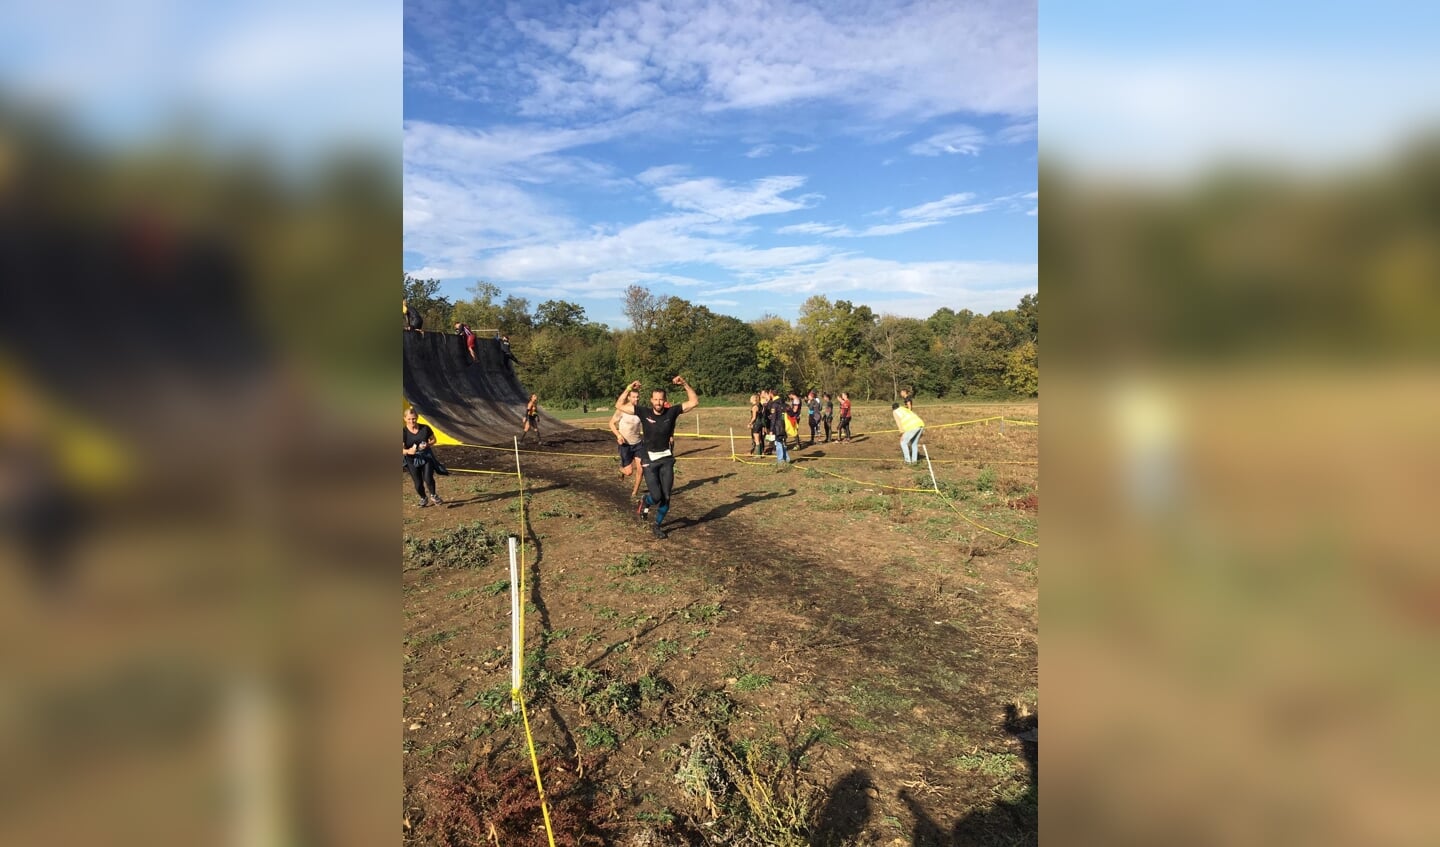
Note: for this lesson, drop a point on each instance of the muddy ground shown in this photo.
(809, 658)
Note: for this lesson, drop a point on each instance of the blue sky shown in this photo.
(741, 155)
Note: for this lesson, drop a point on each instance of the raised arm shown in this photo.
(691, 398)
(620, 404)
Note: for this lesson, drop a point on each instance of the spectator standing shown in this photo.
(812, 405)
(911, 428)
(757, 426)
(777, 428)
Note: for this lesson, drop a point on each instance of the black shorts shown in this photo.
(629, 453)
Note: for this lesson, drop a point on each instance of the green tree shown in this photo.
(1029, 312)
(480, 312)
(901, 347)
(1022, 370)
(561, 315)
(423, 295)
(982, 356)
(724, 358)
(838, 335)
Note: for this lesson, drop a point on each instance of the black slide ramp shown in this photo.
(481, 402)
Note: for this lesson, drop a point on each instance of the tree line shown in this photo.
(832, 346)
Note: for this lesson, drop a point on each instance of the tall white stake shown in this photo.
(931, 467)
(517, 657)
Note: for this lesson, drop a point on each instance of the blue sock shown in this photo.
(660, 513)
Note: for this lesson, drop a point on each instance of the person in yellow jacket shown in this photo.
(911, 428)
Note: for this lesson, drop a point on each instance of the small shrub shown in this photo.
(651, 687)
(665, 649)
(615, 697)
(704, 613)
(989, 764)
(465, 546)
(634, 564)
(986, 480)
(752, 682)
(599, 735)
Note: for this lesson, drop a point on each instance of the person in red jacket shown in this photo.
(469, 337)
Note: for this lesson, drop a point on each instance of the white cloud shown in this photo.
(923, 59)
(760, 151)
(948, 206)
(661, 174)
(650, 246)
(1018, 133)
(714, 197)
(960, 139)
(922, 286)
(809, 228)
(839, 231)
(895, 229)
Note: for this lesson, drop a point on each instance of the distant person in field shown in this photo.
(657, 426)
(532, 419)
(827, 414)
(757, 426)
(627, 441)
(766, 418)
(413, 321)
(419, 459)
(911, 428)
(792, 412)
(777, 428)
(907, 398)
(844, 418)
(469, 338)
(812, 405)
(505, 350)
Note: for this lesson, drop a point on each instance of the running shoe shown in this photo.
(424, 502)
(656, 531)
(435, 498)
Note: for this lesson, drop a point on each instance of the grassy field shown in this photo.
(817, 654)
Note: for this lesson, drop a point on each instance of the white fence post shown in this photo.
(517, 655)
(931, 467)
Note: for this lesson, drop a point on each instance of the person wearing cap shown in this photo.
(911, 428)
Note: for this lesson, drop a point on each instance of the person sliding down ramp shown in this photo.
(657, 426)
